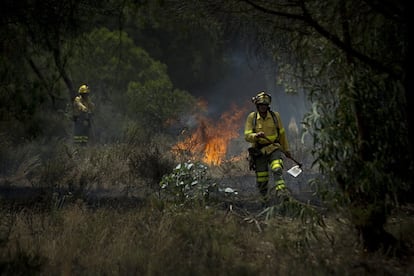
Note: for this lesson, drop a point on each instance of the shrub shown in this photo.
(189, 182)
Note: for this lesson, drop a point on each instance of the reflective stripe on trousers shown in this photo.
(275, 162)
(277, 168)
(77, 139)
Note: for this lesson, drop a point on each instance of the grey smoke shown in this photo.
(248, 76)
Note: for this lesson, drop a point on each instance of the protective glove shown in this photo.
(259, 135)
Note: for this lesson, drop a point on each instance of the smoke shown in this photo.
(247, 75)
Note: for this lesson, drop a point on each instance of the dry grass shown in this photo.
(162, 240)
(153, 237)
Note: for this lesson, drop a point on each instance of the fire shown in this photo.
(210, 140)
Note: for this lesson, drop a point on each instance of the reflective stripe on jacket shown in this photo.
(267, 125)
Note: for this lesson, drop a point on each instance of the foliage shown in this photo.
(129, 85)
(350, 58)
(32, 64)
(37, 75)
(26, 102)
(349, 55)
(150, 161)
(188, 183)
(156, 103)
(192, 50)
(148, 235)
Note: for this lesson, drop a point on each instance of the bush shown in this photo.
(188, 183)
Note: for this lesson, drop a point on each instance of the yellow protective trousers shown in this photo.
(273, 161)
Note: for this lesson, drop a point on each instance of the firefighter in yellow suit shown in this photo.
(265, 131)
(82, 115)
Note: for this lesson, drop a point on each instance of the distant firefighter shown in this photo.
(82, 116)
(265, 131)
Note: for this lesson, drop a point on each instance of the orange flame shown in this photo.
(210, 141)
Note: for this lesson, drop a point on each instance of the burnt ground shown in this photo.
(249, 199)
(246, 198)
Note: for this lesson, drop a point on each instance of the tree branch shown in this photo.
(345, 47)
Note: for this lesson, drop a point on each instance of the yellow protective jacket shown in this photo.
(274, 133)
(82, 105)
